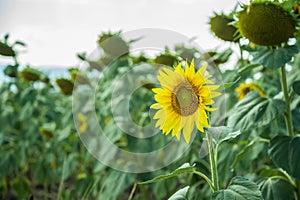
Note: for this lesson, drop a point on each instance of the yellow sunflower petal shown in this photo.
(156, 106)
(199, 125)
(187, 129)
(189, 70)
(158, 90)
(202, 70)
(176, 126)
(178, 135)
(159, 114)
(179, 69)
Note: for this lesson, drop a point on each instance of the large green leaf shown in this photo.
(239, 189)
(285, 153)
(275, 58)
(255, 111)
(180, 194)
(276, 189)
(185, 168)
(226, 155)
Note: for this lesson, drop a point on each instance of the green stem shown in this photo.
(61, 184)
(132, 191)
(213, 164)
(206, 179)
(241, 53)
(263, 140)
(288, 115)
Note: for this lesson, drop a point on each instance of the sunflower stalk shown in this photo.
(288, 114)
(241, 53)
(213, 163)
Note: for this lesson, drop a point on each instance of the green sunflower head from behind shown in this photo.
(66, 86)
(30, 74)
(266, 23)
(113, 44)
(221, 26)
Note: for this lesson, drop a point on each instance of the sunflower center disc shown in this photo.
(184, 100)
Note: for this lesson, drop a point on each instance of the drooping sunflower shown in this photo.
(66, 86)
(30, 74)
(46, 133)
(266, 23)
(245, 88)
(221, 27)
(184, 100)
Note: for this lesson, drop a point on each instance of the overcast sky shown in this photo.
(55, 30)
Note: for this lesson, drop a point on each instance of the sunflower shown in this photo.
(245, 88)
(266, 23)
(30, 74)
(45, 132)
(66, 86)
(221, 27)
(183, 100)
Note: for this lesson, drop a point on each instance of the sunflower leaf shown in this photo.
(285, 152)
(275, 58)
(276, 189)
(255, 111)
(248, 68)
(222, 133)
(6, 50)
(240, 189)
(20, 43)
(180, 194)
(229, 84)
(185, 168)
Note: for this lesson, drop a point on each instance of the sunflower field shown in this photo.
(182, 124)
